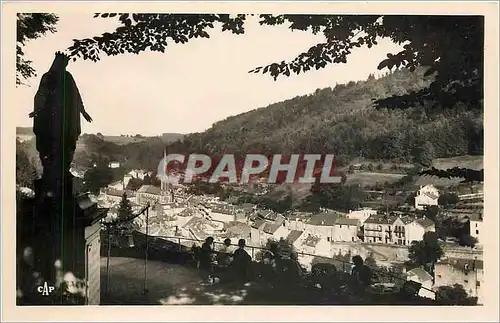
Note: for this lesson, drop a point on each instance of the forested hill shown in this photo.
(343, 121)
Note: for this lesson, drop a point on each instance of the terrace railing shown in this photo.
(180, 245)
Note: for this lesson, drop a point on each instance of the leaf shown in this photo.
(383, 64)
(112, 15)
(105, 15)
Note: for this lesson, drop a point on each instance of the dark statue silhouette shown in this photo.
(55, 227)
(57, 109)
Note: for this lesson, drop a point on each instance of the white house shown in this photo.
(416, 229)
(295, 238)
(427, 195)
(114, 164)
(345, 229)
(466, 272)
(322, 225)
(126, 180)
(137, 173)
(314, 245)
(476, 226)
(257, 236)
(297, 221)
(422, 277)
(117, 185)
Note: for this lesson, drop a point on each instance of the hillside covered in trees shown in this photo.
(339, 120)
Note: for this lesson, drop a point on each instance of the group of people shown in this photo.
(224, 262)
(274, 267)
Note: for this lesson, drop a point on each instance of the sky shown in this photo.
(190, 86)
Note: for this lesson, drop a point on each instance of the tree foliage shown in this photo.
(30, 26)
(451, 47)
(97, 177)
(448, 199)
(25, 167)
(425, 252)
(454, 295)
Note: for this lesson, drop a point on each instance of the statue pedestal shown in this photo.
(93, 261)
(66, 229)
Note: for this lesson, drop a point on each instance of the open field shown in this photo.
(123, 140)
(466, 161)
(372, 178)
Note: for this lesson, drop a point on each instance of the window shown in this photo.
(341, 226)
(466, 281)
(439, 276)
(328, 239)
(477, 231)
(478, 284)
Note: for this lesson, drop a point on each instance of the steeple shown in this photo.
(165, 186)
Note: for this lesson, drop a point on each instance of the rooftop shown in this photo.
(271, 228)
(347, 221)
(258, 223)
(478, 217)
(324, 219)
(294, 235)
(381, 219)
(149, 189)
(311, 241)
(425, 222)
(421, 274)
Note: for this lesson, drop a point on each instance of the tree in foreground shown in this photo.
(426, 252)
(454, 295)
(30, 26)
(451, 47)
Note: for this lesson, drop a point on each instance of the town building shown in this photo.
(476, 225)
(427, 195)
(422, 277)
(387, 229)
(333, 226)
(111, 196)
(416, 229)
(297, 221)
(117, 185)
(315, 245)
(346, 230)
(295, 238)
(267, 225)
(114, 164)
(138, 173)
(152, 194)
(466, 272)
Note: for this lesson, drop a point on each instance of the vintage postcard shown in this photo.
(182, 161)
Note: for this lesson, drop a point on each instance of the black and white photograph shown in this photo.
(282, 157)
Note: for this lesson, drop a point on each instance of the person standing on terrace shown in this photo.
(205, 258)
(242, 261)
(224, 254)
(362, 274)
